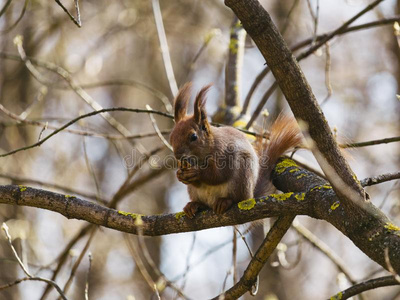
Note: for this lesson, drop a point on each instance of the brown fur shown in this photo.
(284, 135)
(226, 169)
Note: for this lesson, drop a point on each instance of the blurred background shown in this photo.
(115, 60)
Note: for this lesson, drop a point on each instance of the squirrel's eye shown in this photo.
(193, 137)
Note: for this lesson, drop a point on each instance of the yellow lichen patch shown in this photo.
(301, 176)
(335, 205)
(179, 215)
(282, 197)
(294, 170)
(233, 46)
(376, 234)
(240, 123)
(338, 296)
(284, 164)
(69, 196)
(392, 227)
(247, 204)
(320, 187)
(355, 178)
(128, 214)
(300, 197)
(22, 188)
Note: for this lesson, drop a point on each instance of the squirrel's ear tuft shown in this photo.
(200, 115)
(181, 101)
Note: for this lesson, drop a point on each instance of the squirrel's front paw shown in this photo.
(191, 208)
(221, 205)
(188, 176)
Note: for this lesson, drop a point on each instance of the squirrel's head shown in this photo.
(192, 134)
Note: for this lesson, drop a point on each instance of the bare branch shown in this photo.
(82, 117)
(366, 286)
(79, 259)
(372, 143)
(318, 40)
(77, 20)
(317, 243)
(87, 277)
(249, 278)
(260, 27)
(6, 5)
(157, 130)
(18, 20)
(380, 178)
(28, 275)
(164, 47)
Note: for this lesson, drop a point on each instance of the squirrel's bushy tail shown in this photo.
(284, 135)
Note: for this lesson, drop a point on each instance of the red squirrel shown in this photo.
(219, 164)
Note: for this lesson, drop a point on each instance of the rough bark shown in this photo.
(291, 80)
(306, 194)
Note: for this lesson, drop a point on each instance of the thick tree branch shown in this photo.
(259, 26)
(75, 208)
(306, 194)
(267, 247)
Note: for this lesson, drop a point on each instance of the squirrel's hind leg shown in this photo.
(192, 207)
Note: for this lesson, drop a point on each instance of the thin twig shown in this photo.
(380, 178)
(3, 10)
(77, 20)
(18, 20)
(390, 267)
(40, 97)
(164, 47)
(157, 130)
(188, 257)
(320, 40)
(93, 113)
(203, 258)
(79, 260)
(214, 32)
(394, 186)
(366, 286)
(82, 117)
(327, 73)
(262, 103)
(91, 170)
(5, 229)
(18, 40)
(126, 188)
(87, 277)
(133, 249)
(29, 276)
(234, 256)
(321, 246)
(281, 254)
(161, 277)
(339, 30)
(21, 120)
(371, 143)
(128, 82)
(266, 70)
(311, 50)
(269, 244)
